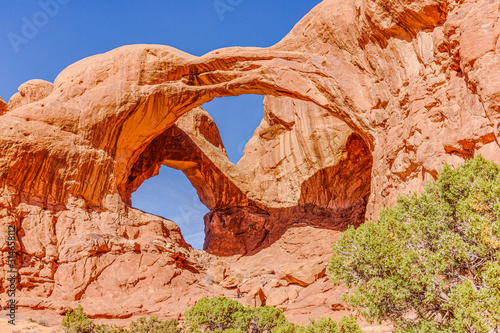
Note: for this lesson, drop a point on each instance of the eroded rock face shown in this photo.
(369, 99)
(310, 184)
(292, 173)
(29, 92)
(3, 106)
(404, 96)
(105, 260)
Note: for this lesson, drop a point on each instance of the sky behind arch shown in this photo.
(39, 38)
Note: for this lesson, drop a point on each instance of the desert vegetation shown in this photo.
(429, 264)
(432, 262)
(216, 314)
(77, 321)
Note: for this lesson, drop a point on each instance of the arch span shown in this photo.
(122, 100)
(388, 70)
(302, 167)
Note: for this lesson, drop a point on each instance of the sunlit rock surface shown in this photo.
(366, 101)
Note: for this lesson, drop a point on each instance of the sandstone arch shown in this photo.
(119, 110)
(302, 167)
(418, 82)
(116, 103)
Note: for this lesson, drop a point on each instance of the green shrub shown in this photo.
(432, 262)
(216, 314)
(154, 325)
(322, 325)
(328, 325)
(265, 318)
(219, 314)
(289, 328)
(112, 329)
(77, 321)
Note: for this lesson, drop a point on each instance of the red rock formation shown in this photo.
(303, 156)
(194, 146)
(3, 106)
(328, 198)
(384, 93)
(29, 92)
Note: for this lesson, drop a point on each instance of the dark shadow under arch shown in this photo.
(334, 197)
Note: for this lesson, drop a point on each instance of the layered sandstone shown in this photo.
(3, 106)
(29, 92)
(292, 173)
(296, 168)
(366, 101)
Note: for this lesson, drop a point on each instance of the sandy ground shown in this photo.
(25, 326)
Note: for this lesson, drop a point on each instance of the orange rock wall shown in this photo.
(368, 100)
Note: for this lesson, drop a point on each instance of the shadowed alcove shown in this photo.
(171, 195)
(302, 166)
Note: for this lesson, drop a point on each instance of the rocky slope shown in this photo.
(294, 170)
(366, 101)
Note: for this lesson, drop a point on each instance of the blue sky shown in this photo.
(38, 39)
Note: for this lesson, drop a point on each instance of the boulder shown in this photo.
(3, 107)
(255, 297)
(219, 271)
(233, 280)
(29, 92)
(303, 274)
(277, 297)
